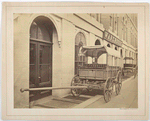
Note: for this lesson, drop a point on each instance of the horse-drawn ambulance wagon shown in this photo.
(104, 76)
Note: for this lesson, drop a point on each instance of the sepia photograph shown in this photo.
(75, 60)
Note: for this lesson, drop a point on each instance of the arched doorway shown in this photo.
(80, 41)
(97, 42)
(41, 38)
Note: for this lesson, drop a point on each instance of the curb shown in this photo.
(127, 79)
(88, 102)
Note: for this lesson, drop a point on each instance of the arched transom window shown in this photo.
(80, 41)
(97, 42)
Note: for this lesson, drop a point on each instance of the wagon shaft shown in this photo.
(54, 88)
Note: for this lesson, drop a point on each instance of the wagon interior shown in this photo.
(102, 63)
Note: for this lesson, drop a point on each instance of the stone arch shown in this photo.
(42, 28)
(80, 38)
(34, 16)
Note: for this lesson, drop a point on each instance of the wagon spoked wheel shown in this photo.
(118, 84)
(75, 92)
(108, 88)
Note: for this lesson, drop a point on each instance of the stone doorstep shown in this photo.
(48, 98)
(41, 101)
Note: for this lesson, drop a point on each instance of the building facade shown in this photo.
(46, 48)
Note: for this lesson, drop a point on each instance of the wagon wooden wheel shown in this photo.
(118, 83)
(108, 88)
(75, 81)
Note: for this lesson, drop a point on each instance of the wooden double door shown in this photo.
(40, 65)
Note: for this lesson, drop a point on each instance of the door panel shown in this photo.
(45, 64)
(33, 64)
(40, 64)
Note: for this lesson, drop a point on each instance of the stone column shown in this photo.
(21, 61)
(68, 54)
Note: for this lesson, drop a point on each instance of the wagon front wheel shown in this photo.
(75, 81)
(108, 88)
(118, 84)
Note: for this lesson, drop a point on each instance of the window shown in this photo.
(93, 15)
(111, 21)
(126, 53)
(97, 17)
(108, 45)
(122, 33)
(40, 30)
(131, 39)
(97, 42)
(135, 42)
(129, 54)
(100, 18)
(125, 35)
(116, 48)
(115, 25)
(121, 53)
(115, 59)
(80, 41)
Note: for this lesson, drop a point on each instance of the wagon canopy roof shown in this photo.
(128, 58)
(98, 50)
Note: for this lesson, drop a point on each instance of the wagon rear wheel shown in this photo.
(74, 82)
(108, 88)
(118, 84)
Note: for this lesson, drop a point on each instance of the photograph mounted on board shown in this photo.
(75, 60)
